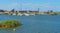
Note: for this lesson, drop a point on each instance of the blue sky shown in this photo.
(44, 5)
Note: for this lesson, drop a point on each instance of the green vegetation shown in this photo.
(10, 24)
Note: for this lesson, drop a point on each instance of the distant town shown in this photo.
(28, 13)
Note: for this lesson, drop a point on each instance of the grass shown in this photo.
(10, 24)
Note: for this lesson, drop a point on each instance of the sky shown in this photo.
(43, 5)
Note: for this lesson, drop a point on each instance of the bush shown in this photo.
(10, 24)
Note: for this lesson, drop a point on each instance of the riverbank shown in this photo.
(28, 13)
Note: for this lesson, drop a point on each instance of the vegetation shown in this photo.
(10, 24)
(12, 10)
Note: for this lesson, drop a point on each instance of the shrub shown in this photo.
(10, 24)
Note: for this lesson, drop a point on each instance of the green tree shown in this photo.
(12, 10)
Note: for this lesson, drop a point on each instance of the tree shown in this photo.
(1, 10)
(51, 10)
(12, 10)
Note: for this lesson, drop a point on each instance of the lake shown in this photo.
(34, 24)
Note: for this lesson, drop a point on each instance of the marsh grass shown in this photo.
(10, 24)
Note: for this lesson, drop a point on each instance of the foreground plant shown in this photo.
(10, 24)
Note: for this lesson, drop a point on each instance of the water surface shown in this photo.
(34, 24)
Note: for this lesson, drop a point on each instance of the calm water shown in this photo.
(34, 24)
